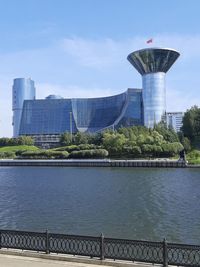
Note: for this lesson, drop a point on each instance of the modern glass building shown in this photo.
(50, 117)
(22, 89)
(54, 115)
(152, 64)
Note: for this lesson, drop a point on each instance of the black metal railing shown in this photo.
(104, 248)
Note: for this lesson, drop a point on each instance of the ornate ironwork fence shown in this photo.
(103, 248)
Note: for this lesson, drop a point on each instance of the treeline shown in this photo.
(132, 142)
(64, 154)
(22, 140)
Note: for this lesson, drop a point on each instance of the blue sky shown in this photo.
(78, 48)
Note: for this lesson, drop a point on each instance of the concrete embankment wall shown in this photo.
(96, 163)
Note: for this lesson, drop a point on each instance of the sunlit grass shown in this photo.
(193, 157)
(17, 148)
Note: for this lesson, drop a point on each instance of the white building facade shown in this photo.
(175, 120)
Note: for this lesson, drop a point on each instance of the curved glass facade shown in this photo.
(93, 114)
(56, 116)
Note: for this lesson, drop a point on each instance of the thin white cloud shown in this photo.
(99, 53)
(187, 45)
(107, 52)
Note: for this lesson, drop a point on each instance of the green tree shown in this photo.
(131, 151)
(95, 139)
(185, 142)
(21, 140)
(171, 149)
(81, 138)
(168, 134)
(65, 139)
(24, 140)
(114, 142)
(191, 123)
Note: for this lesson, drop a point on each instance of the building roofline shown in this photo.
(155, 48)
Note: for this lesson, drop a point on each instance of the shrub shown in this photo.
(152, 150)
(66, 148)
(147, 149)
(195, 154)
(75, 147)
(132, 152)
(7, 155)
(86, 146)
(88, 154)
(193, 157)
(171, 149)
(44, 154)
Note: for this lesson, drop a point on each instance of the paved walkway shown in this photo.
(7, 260)
(19, 261)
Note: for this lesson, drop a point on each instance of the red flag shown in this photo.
(150, 41)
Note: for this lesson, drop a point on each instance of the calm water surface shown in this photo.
(120, 202)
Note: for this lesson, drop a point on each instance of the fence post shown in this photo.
(47, 242)
(0, 240)
(165, 256)
(102, 247)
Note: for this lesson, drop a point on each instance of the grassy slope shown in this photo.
(193, 157)
(16, 148)
(193, 161)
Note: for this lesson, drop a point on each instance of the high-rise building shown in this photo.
(152, 64)
(175, 120)
(23, 89)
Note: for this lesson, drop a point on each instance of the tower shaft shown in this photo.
(154, 96)
(23, 89)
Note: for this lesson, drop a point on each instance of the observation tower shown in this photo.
(152, 64)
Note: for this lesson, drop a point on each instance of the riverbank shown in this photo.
(161, 163)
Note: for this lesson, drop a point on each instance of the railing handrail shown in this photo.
(103, 247)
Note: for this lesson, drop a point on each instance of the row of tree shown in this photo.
(137, 141)
(22, 140)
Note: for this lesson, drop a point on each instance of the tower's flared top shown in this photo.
(151, 60)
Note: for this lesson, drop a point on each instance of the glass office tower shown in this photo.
(152, 64)
(22, 89)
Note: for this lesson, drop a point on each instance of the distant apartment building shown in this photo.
(175, 120)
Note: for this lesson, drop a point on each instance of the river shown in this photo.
(134, 203)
